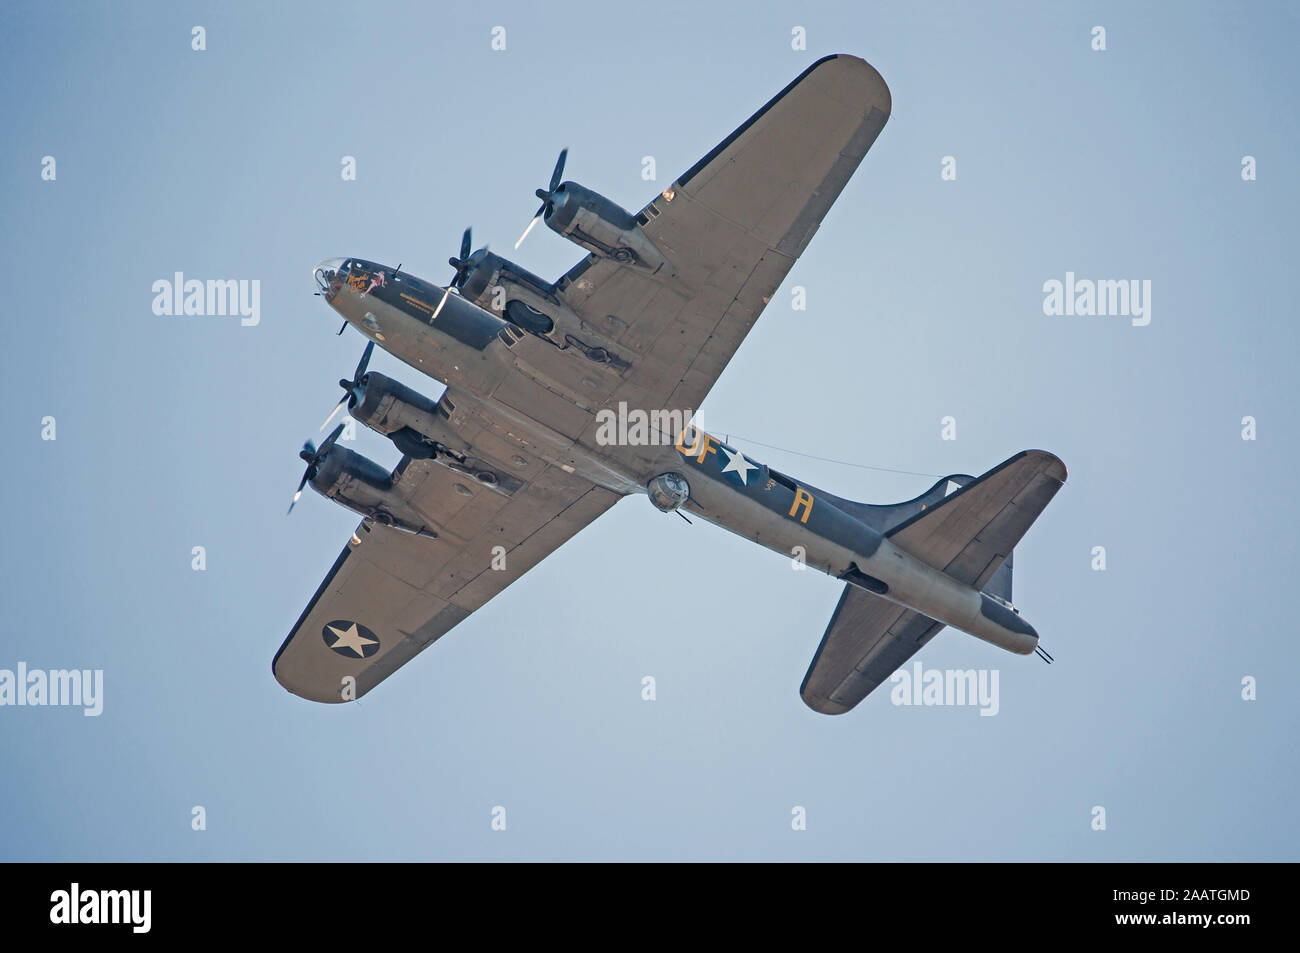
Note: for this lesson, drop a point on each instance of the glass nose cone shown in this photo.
(326, 273)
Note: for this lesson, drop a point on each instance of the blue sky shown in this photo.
(924, 300)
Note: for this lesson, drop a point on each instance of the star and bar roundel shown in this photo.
(350, 639)
(732, 464)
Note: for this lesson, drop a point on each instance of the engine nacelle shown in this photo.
(532, 304)
(363, 486)
(488, 270)
(589, 219)
(392, 409)
(419, 428)
(500, 286)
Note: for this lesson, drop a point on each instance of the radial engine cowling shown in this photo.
(597, 224)
(363, 486)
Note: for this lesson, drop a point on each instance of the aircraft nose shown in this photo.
(326, 274)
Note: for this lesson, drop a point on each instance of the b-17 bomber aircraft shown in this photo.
(519, 453)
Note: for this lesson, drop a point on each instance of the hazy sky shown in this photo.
(924, 300)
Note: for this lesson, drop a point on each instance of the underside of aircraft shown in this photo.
(516, 456)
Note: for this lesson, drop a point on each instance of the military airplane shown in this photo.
(520, 452)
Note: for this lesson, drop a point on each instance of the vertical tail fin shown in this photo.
(883, 517)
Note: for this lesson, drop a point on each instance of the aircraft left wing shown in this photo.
(730, 229)
(391, 594)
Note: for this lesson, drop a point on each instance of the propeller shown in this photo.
(313, 458)
(353, 390)
(462, 263)
(546, 195)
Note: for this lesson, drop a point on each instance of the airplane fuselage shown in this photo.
(546, 399)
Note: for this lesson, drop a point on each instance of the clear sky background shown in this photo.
(924, 300)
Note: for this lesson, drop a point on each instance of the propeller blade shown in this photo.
(297, 496)
(545, 195)
(462, 261)
(536, 218)
(365, 362)
(313, 458)
(438, 310)
(329, 441)
(558, 174)
(333, 413)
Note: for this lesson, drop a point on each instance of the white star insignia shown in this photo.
(351, 638)
(738, 464)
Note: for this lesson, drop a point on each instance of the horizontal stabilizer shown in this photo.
(869, 639)
(970, 532)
